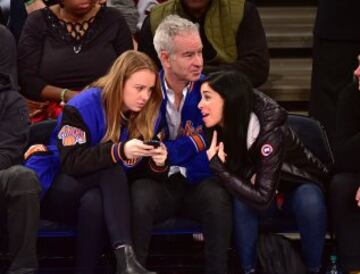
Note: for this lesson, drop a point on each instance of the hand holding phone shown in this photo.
(161, 155)
(154, 143)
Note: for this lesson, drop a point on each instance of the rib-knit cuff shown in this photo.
(157, 169)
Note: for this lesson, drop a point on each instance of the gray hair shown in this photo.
(171, 26)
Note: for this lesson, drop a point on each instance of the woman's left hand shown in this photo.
(213, 149)
(357, 197)
(160, 155)
(221, 153)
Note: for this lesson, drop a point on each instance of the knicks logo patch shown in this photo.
(71, 136)
(189, 129)
(266, 150)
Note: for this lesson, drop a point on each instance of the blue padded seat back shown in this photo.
(313, 135)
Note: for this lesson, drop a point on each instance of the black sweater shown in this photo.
(347, 149)
(47, 56)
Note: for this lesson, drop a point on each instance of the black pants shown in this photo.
(208, 202)
(19, 198)
(333, 66)
(98, 204)
(346, 219)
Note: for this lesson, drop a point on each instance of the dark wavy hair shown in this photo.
(237, 93)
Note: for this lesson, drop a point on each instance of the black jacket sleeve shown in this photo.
(30, 48)
(267, 172)
(14, 125)
(78, 157)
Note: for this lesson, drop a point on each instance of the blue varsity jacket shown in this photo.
(189, 148)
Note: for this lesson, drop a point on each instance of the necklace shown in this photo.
(77, 30)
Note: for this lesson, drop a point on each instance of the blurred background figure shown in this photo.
(345, 186)
(336, 45)
(19, 186)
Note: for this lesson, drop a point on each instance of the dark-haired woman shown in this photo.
(65, 47)
(258, 158)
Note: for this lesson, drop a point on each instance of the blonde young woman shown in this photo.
(101, 142)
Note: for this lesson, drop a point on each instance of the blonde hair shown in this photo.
(140, 124)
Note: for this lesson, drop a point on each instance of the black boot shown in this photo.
(127, 262)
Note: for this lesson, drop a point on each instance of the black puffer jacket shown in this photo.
(276, 153)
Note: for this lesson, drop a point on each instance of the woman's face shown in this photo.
(211, 106)
(79, 7)
(137, 90)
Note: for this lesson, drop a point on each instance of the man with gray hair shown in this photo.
(231, 32)
(189, 190)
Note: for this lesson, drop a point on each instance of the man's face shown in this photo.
(185, 63)
(197, 7)
(357, 73)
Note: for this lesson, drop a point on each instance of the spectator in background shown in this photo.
(8, 56)
(19, 186)
(189, 190)
(231, 40)
(144, 7)
(20, 8)
(336, 45)
(345, 186)
(65, 47)
(128, 10)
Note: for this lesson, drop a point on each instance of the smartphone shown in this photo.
(154, 143)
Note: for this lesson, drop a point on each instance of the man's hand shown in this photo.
(33, 149)
(36, 5)
(135, 148)
(160, 155)
(357, 197)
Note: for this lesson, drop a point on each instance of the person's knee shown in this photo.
(215, 197)
(143, 196)
(310, 201)
(67, 186)
(240, 208)
(22, 181)
(91, 202)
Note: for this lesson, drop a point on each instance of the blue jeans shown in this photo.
(305, 203)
